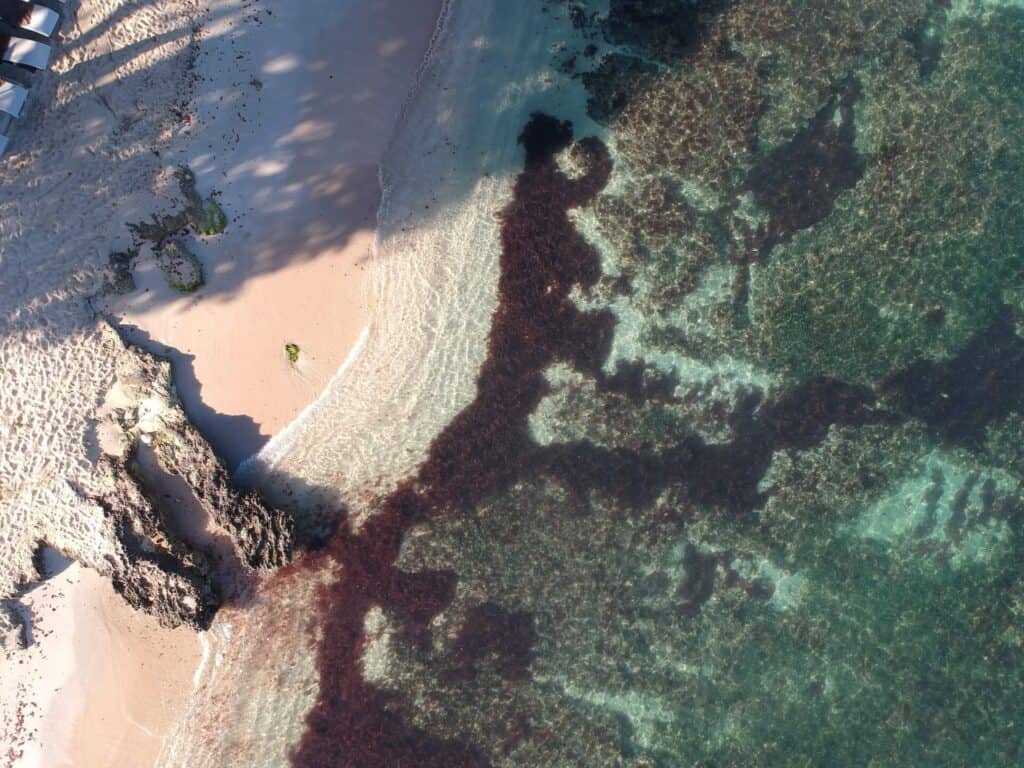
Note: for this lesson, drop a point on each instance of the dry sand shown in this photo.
(135, 678)
(82, 162)
(293, 112)
(101, 684)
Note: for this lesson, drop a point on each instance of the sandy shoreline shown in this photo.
(101, 685)
(433, 287)
(289, 111)
(292, 115)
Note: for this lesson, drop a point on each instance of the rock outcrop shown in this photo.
(187, 538)
(176, 537)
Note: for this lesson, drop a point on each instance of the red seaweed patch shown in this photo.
(488, 445)
(353, 722)
(504, 638)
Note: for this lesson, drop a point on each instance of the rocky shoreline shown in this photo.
(181, 538)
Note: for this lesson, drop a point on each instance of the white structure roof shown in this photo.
(27, 52)
(42, 21)
(12, 98)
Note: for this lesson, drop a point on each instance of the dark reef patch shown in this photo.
(723, 476)
(640, 382)
(958, 398)
(488, 445)
(417, 598)
(535, 324)
(925, 36)
(613, 83)
(492, 632)
(797, 183)
(926, 44)
(801, 416)
(699, 580)
(664, 29)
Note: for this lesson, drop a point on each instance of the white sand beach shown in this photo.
(284, 111)
(101, 683)
(293, 108)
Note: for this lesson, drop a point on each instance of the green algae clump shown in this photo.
(205, 215)
(292, 351)
(180, 266)
(211, 220)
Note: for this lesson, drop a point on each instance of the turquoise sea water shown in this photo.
(740, 484)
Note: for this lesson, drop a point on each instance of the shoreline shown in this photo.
(296, 271)
(299, 110)
(451, 165)
(434, 280)
(84, 687)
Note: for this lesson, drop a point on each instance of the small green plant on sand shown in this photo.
(292, 350)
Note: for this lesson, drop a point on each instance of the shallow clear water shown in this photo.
(732, 475)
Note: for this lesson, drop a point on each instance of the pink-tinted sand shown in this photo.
(292, 116)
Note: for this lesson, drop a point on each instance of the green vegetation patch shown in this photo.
(180, 266)
(204, 214)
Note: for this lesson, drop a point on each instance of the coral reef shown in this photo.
(741, 483)
(913, 242)
(781, 151)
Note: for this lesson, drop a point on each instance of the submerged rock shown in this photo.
(612, 84)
